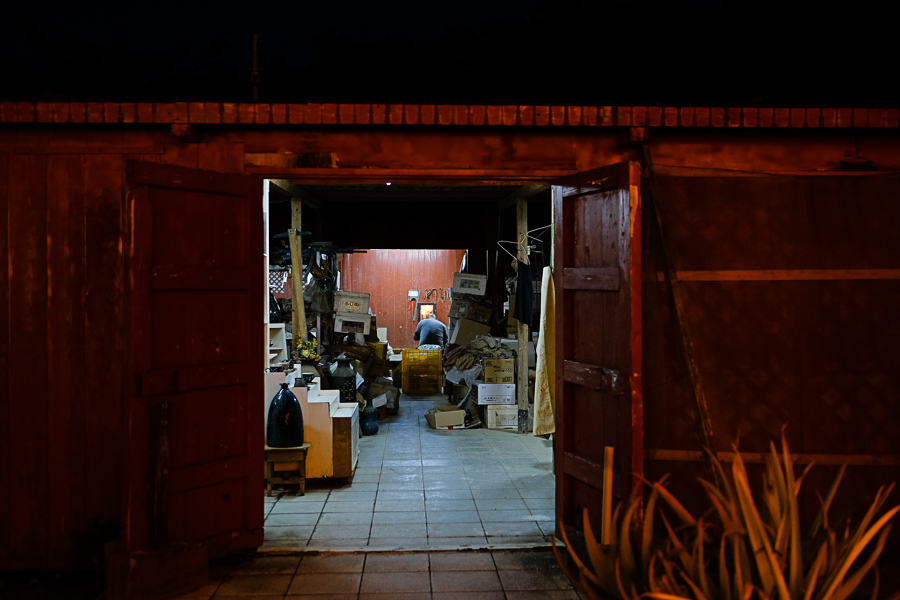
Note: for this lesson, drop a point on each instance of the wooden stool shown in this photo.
(286, 459)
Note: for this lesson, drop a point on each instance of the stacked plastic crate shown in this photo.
(422, 373)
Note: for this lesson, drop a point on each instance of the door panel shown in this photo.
(597, 278)
(196, 449)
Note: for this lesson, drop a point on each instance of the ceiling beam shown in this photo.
(525, 191)
(288, 190)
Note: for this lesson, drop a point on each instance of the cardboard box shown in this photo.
(446, 417)
(379, 348)
(496, 393)
(351, 303)
(352, 323)
(467, 330)
(467, 309)
(502, 417)
(514, 345)
(467, 283)
(501, 370)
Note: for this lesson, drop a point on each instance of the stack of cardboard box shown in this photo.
(498, 394)
(470, 313)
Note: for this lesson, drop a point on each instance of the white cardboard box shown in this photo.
(351, 302)
(496, 393)
(352, 323)
(503, 417)
(467, 283)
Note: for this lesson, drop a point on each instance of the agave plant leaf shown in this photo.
(680, 550)
(741, 566)
(647, 541)
(626, 554)
(602, 562)
(726, 515)
(852, 582)
(822, 516)
(720, 472)
(666, 597)
(767, 563)
(700, 563)
(680, 510)
(813, 575)
(698, 593)
(724, 578)
(853, 552)
(578, 563)
(877, 582)
(795, 574)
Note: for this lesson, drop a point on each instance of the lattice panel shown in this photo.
(277, 281)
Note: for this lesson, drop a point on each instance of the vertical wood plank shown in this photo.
(5, 405)
(65, 349)
(104, 331)
(27, 365)
(523, 333)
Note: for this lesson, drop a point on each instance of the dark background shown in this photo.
(645, 52)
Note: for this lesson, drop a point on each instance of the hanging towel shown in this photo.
(524, 295)
(545, 377)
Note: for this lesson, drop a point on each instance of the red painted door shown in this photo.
(195, 451)
(597, 267)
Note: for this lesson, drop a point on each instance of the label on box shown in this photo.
(351, 302)
(496, 393)
(501, 370)
(466, 283)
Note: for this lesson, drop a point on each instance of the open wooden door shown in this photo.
(195, 453)
(597, 274)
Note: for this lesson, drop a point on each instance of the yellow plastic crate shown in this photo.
(422, 372)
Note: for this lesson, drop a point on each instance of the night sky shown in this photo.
(687, 52)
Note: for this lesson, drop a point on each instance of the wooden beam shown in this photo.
(298, 314)
(799, 459)
(787, 275)
(522, 334)
(525, 191)
(703, 421)
(288, 191)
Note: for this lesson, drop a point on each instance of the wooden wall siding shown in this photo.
(388, 275)
(817, 356)
(61, 324)
(443, 114)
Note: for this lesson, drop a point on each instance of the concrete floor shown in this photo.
(428, 514)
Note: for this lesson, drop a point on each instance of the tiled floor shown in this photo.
(421, 489)
(513, 575)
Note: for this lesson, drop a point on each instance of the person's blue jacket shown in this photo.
(432, 331)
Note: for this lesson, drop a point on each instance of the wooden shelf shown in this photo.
(278, 343)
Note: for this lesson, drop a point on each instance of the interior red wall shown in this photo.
(388, 275)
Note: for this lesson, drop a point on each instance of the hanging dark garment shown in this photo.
(524, 310)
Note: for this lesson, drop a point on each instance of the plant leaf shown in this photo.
(854, 580)
(647, 541)
(626, 555)
(813, 575)
(822, 516)
(682, 512)
(595, 553)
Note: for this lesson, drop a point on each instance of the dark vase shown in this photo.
(344, 379)
(368, 419)
(284, 428)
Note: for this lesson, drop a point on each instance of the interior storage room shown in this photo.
(407, 445)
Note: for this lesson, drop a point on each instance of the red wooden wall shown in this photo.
(62, 335)
(388, 275)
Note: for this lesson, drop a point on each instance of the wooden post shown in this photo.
(298, 315)
(522, 333)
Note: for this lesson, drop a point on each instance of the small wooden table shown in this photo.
(286, 460)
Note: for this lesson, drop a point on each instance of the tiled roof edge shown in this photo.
(442, 114)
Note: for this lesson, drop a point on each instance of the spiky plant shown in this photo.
(742, 550)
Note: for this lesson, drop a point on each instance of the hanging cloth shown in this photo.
(524, 295)
(545, 376)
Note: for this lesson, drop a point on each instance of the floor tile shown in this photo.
(399, 518)
(396, 563)
(500, 542)
(452, 516)
(395, 530)
(496, 504)
(525, 561)
(452, 543)
(286, 519)
(399, 505)
(356, 486)
(348, 518)
(504, 516)
(332, 563)
(462, 561)
(396, 596)
(400, 486)
(449, 505)
(352, 496)
(254, 585)
(325, 583)
(395, 582)
(297, 507)
(336, 532)
(401, 495)
(288, 533)
(454, 529)
(355, 507)
(465, 581)
(540, 502)
(543, 514)
(395, 544)
(267, 565)
(344, 544)
(496, 493)
(535, 579)
(458, 494)
(543, 595)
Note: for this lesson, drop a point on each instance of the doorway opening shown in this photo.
(411, 487)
